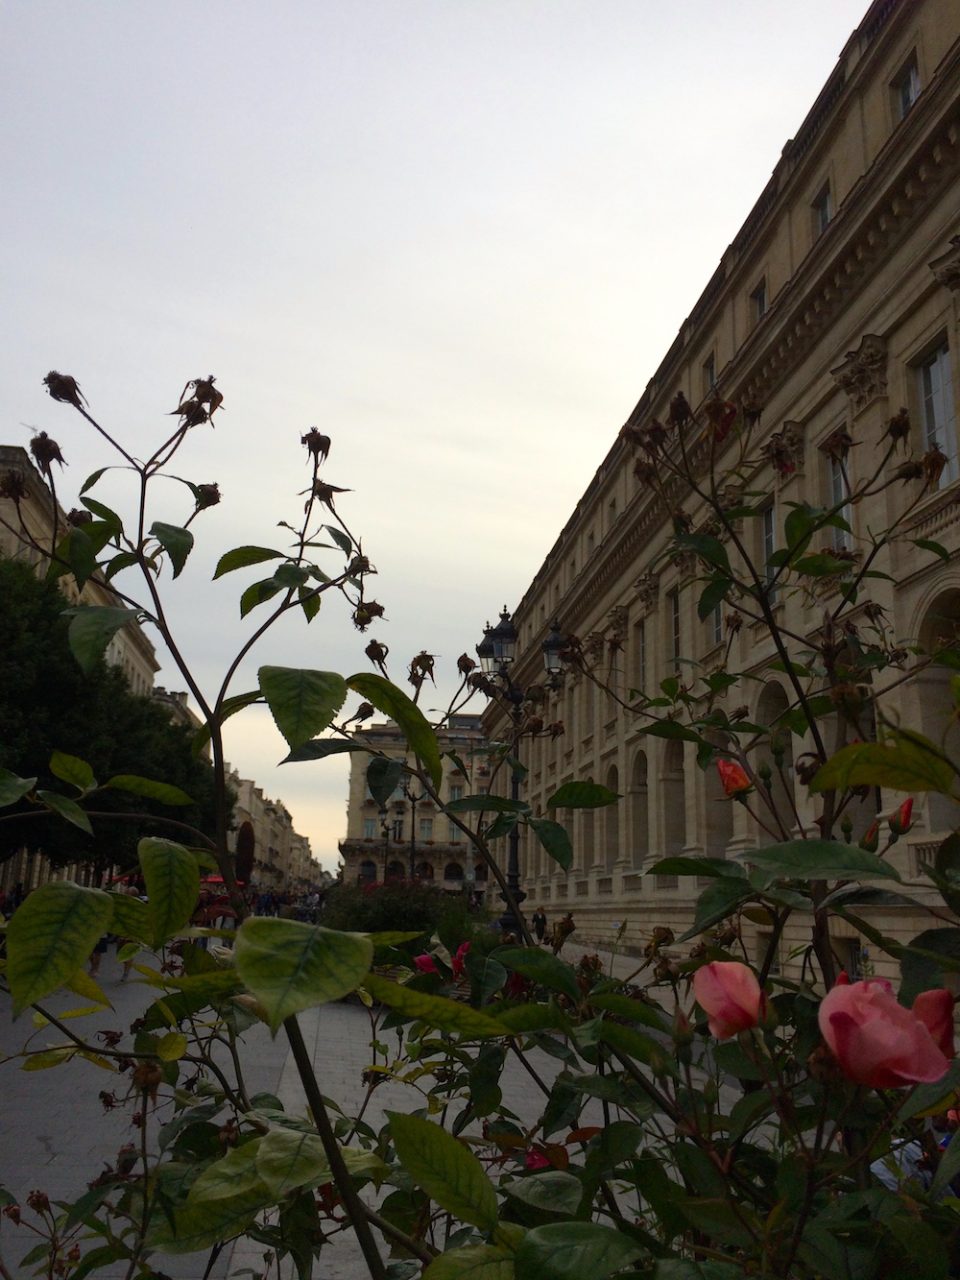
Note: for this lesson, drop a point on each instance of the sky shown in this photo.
(457, 236)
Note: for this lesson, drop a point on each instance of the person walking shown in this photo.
(539, 922)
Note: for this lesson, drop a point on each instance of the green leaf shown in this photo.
(486, 804)
(541, 967)
(125, 560)
(229, 707)
(301, 702)
(393, 702)
(92, 627)
(73, 770)
(78, 551)
(821, 860)
(289, 1158)
(172, 1046)
(926, 961)
(240, 557)
(626, 1007)
(131, 918)
(383, 778)
(92, 479)
(582, 795)
(13, 788)
(163, 792)
(447, 1171)
(572, 1251)
(635, 1044)
(476, 1262)
(554, 1191)
(708, 548)
(903, 763)
(309, 602)
(437, 1011)
(51, 936)
(555, 839)
(925, 544)
(66, 808)
(291, 966)
(177, 542)
(320, 748)
(172, 878)
(258, 593)
(673, 731)
(200, 1224)
(714, 593)
(696, 866)
(716, 902)
(340, 538)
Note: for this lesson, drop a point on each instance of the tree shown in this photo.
(47, 704)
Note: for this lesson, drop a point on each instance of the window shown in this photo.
(839, 493)
(369, 828)
(768, 545)
(426, 828)
(640, 655)
(673, 598)
(906, 88)
(456, 835)
(709, 374)
(822, 210)
(715, 626)
(758, 301)
(937, 409)
(456, 793)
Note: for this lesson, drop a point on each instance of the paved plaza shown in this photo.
(55, 1135)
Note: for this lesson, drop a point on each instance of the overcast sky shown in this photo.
(456, 235)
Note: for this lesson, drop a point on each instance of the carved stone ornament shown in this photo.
(946, 268)
(648, 589)
(863, 374)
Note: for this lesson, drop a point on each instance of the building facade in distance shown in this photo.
(409, 838)
(836, 304)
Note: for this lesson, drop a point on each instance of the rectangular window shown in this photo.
(839, 493)
(906, 88)
(673, 598)
(715, 625)
(456, 793)
(369, 828)
(426, 828)
(456, 835)
(640, 655)
(768, 545)
(709, 374)
(758, 301)
(822, 210)
(937, 409)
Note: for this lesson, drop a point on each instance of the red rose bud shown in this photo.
(733, 778)
(871, 838)
(900, 823)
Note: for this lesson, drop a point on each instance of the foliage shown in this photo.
(748, 1118)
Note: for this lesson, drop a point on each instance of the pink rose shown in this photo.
(456, 962)
(878, 1042)
(426, 963)
(729, 994)
(535, 1160)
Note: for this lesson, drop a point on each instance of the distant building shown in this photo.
(282, 859)
(409, 838)
(836, 304)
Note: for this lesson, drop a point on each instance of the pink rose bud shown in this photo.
(456, 963)
(871, 838)
(879, 1043)
(900, 822)
(426, 963)
(535, 1160)
(729, 994)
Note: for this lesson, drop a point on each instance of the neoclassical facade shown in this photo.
(408, 837)
(837, 303)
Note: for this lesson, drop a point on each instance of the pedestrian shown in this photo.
(539, 922)
(96, 955)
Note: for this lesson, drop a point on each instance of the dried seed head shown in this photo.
(46, 452)
(318, 445)
(207, 495)
(64, 388)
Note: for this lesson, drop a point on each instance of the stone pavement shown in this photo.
(55, 1135)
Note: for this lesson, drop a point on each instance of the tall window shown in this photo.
(673, 598)
(768, 545)
(906, 88)
(369, 828)
(426, 828)
(937, 409)
(758, 301)
(456, 793)
(640, 655)
(709, 374)
(715, 626)
(839, 493)
(822, 210)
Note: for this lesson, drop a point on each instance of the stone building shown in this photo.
(409, 838)
(836, 304)
(282, 858)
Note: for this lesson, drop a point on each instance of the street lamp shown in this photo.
(414, 799)
(497, 652)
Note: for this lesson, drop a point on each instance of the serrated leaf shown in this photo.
(73, 770)
(91, 629)
(240, 557)
(714, 593)
(66, 808)
(410, 720)
(447, 1171)
(436, 1011)
(582, 795)
(13, 788)
(92, 479)
(340, 538)
(696, 865)
(309, 602)
(301, 702)
(177, 542)
(320, 748)
(291, 966)
(903, 763)
(164, 792)
(486, 804)
(572, 1251)
(50, 937)
(172, 879)
(383, 778)
(821, 860)
(541, 967)
(258, 593)
(555, 839)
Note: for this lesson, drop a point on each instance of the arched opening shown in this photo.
(718, 817)
(939, 633)
(611, 821)
(453, 871)
(368, 872)
(396, 871)
(771, 705)
(425, 871)
(672, 789)
(480, 873)
(586, 839)
(639, 811)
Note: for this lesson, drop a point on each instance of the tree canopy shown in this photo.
(47, 704)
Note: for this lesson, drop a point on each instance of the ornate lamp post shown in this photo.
(414, 798)
(497, 652)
